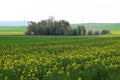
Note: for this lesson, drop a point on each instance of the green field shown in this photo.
(101, 26)
(59, 58)
(12, 30)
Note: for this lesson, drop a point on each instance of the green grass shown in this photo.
(101, 26)
(59, 58)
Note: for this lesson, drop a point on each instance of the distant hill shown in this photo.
(100, 26)
(13, 23)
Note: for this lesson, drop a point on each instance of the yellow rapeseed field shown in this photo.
(59, 58)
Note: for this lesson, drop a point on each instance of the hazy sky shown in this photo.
(71, 10)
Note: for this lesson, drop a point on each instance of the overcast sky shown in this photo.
(106, 11)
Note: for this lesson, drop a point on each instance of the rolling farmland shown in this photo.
(101, 26)
(113, 27)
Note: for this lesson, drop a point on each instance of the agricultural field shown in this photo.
(101, 26)
(113, 27)
(59, 58)
(12, 30)
(115, 32)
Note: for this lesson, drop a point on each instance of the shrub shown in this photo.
(96, 32)
(90, 31)
(105, 32)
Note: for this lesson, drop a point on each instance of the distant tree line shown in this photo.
(61, 27)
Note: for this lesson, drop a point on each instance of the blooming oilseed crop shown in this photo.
(59, 58)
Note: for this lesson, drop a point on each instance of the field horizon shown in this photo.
(19, 30)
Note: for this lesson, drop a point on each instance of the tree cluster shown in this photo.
(53, 27)
(97, 32)
(61, 27)
(80, 30)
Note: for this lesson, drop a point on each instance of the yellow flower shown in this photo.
(6, 78)
(21, 77)
(68, 73)
(29, 75)
(79, 78)
(60, 72)
(49, 73)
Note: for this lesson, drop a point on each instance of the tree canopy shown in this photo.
(53, 27)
